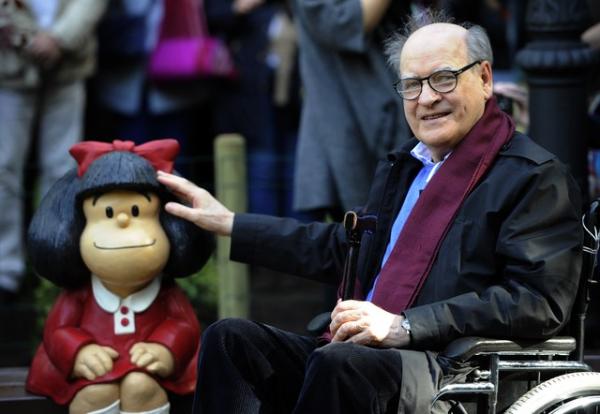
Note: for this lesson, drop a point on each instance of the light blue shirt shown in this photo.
(421, 153)
(44, 12)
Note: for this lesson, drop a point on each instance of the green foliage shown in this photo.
(44, 295)
(202, 290)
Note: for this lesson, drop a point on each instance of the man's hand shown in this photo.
(367, 324)
(45, 49)
(93, 361)
(156, 358)
(206, 211)
(520, 96)
(592, 36)
(373, 12)
(246, 6)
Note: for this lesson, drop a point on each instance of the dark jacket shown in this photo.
(244, 105)
(508, 266)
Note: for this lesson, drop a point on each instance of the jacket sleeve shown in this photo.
(180, 331)
(334, 24)
(77, 22)
(62, 336)
(539, 249)
(315, 251)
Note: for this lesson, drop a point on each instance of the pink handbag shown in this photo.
(185, 50)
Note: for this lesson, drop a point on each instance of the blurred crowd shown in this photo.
(311, 92)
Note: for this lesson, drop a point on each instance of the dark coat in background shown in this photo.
(259, 104)
(351, 115)
(247, 99)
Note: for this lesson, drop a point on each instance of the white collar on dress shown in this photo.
(138, 301)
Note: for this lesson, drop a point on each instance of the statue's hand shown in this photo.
(93, 361)
(156, 358)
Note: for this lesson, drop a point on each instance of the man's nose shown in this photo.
(428, 94)
(123, 219)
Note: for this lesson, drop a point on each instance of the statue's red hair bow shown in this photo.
(160, 153)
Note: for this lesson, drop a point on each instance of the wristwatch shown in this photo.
(406, 325)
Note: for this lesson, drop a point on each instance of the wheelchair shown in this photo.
(552, 372)
(542, 377)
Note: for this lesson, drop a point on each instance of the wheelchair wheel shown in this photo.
(570, 393)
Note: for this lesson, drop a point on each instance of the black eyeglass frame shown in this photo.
(455, 73)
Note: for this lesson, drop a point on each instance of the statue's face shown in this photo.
(123, 242)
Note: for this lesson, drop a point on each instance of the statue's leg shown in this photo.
(96, 399)
(140, 393)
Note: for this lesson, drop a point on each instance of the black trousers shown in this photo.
(249, 367)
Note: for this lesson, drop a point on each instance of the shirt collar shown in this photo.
(138, 301)
(423, 154)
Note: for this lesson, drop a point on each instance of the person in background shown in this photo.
(350, 117)
(262, 104)
(47, 50)
(126, 103)
(478, 234)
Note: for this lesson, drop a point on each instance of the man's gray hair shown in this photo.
(478, 42)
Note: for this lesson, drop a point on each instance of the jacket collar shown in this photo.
(138, 301)
(404, 151)
(422, 153)
(413, 148)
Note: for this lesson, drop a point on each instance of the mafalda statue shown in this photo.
(122, 334)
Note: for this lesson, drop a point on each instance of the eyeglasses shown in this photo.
(442, 81)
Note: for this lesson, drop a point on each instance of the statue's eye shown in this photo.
(135, 211)
(109, 212)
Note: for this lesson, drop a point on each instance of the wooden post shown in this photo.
(230, 186)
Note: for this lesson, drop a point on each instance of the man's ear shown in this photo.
(486, 79)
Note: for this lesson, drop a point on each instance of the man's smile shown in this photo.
(437, 115)
(125, 247)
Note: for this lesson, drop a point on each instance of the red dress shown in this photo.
(77, 320)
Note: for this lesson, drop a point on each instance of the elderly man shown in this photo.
(477, 234)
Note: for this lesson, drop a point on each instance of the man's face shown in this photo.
(441, 120)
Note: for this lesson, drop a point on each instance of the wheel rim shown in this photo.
(589, 404)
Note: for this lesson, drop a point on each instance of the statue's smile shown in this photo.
(125, 247)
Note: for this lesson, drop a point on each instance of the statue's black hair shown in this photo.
(56, 227)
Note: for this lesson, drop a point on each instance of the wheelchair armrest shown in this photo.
(463, 349)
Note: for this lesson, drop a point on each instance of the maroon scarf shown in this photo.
(412, 257)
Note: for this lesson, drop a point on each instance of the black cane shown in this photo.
(355, 226)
